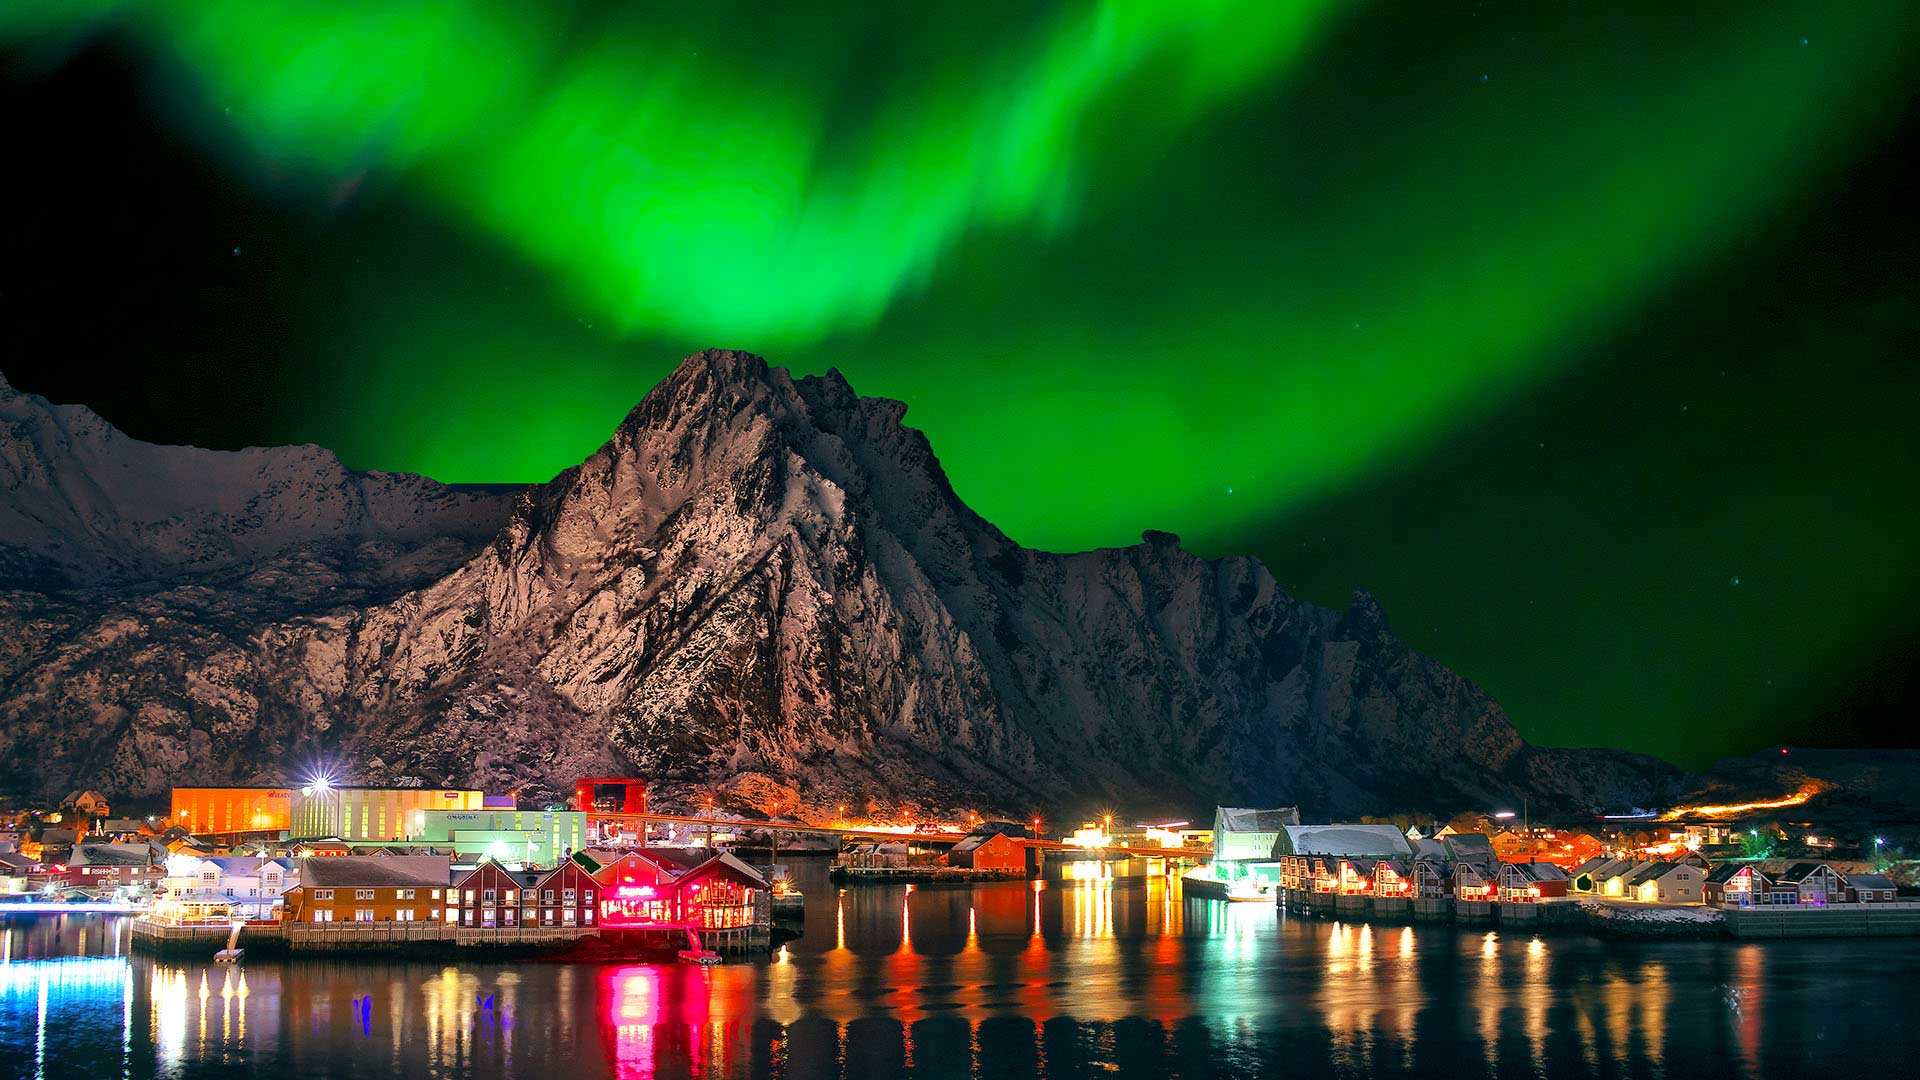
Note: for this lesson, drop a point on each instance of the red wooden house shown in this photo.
(567, 896)
(664, 887)
(1736, 884)
(1392, 877)
(492, 896)
(983, 850)
(1432, 878)
(1475, 881)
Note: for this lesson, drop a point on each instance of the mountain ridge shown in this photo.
(762, 577)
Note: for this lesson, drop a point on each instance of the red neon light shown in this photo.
(636, 891)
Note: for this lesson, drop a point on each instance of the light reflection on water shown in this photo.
(1071, 979)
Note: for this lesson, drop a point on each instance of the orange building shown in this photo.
(204, 810)
(989, 851)
(1562, 848)
(369, 889)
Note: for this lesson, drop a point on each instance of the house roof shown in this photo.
(1341, 840)
(1470, 847)
(1545, 871)
(328, 871)
(1870, 881)
(1726, 872)
(112, 855)
(1800, 871)
(1430, 850)
(970, 842)
(1243, 834)
(726, 863)
(1613, 868)
(1654, 871)
(238, 864)
(14, 861)
(1590, 865)
(1244, 819)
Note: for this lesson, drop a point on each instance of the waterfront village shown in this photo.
(325, 866)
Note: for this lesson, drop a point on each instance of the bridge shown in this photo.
(871, 832)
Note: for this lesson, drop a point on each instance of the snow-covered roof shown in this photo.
(1590, 865)
(1243, 833)
(1342, 840)
(1470, 847)
(1243, 819)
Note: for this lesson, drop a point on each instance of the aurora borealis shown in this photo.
(1580, 335)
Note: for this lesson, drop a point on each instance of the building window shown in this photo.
(566, 894)
(406, 894)
(404, 915)
(323, 894)
(363, 914)
(586, 915)
(587, 896)
(547, 895)
(512, 896)
(323, 915)
(363, 894)
(469, 896)
(487, 895)
(435, 894)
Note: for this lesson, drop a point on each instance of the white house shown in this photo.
(1667, 883)
(253, 886)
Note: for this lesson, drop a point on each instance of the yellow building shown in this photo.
(232, 809)
(371, 814)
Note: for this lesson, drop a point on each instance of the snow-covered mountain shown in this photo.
(81, 504)
(756, 577)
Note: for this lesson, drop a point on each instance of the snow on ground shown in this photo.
(1634, 911)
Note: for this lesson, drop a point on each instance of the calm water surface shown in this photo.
(1074, 980)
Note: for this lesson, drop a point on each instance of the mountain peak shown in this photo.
(757, 575)
(727, 365)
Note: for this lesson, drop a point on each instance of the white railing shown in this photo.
(1882, 905)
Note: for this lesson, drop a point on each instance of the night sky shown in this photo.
(1582, 336)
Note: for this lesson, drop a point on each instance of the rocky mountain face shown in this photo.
(758, 578)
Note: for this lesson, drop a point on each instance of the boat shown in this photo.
(1200, 884)
(697, 953)
(228, 956)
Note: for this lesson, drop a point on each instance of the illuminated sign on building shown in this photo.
(631, 905)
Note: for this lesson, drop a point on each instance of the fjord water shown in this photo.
(1086, 979)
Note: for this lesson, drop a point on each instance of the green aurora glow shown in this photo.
(1212, 267)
